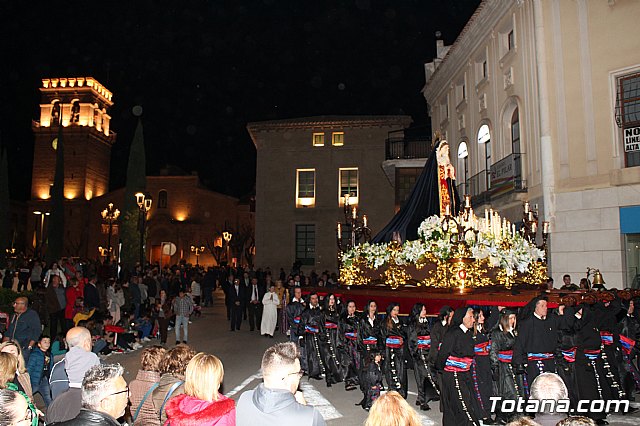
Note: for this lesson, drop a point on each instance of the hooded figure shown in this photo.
(419, 336)
(458, 402)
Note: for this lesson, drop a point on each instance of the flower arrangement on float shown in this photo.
(462, 251)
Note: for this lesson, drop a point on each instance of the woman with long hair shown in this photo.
(393, 335)
(202, 403)
(22, 378)
(419, 337)
(283, 297)
(481, 367)
(500, 355)
(349, 348)
(391, 409)
(329, 340)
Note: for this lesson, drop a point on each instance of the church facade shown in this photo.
(183, 213)
(540, 101)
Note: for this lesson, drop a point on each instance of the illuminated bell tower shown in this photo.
(80, 105)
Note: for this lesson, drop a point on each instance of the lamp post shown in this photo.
(110, 215)
(40, 235)
(198, 251)
(144, 205)
(104, 252)
(226, 235)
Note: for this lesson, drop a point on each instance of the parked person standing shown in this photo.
(56, 304)
(270, 302)
(182, 307)
(254, 305)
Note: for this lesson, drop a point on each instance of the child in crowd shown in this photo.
(39, 367)
(371, 380)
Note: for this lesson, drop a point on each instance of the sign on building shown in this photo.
(632, 139)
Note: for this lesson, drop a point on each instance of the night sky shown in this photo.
(203, 69)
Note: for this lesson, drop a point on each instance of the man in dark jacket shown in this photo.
(25, 327)
(277, 401)
(105, 395)
(56, 303)
(91, 294)
(237, 302)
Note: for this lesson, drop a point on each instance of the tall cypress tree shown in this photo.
(4, 205)
(55, 243)
(136, 182)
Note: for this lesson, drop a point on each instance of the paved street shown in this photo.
(242, 351)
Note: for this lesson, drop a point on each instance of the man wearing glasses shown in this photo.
(25, 327)
(277, 401)
(105, 395)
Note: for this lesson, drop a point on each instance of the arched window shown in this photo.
(463, 168)
(75, 111)
(162, 199)
(484, 138)
(55, 113)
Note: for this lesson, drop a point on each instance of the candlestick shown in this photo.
(545, 227)
(355, 213)
(486, 216)
(530, 216)
(467, 201)
(526, 207)
(364, 220)
(339, 231)
(513, 230)
(447, 210)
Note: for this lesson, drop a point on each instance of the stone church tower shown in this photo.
(81, 106)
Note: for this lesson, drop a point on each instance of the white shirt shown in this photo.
(463, 328)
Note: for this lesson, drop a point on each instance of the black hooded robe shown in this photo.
(394, 367)
(311, 325)
(419, 346)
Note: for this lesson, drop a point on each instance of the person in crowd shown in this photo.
(35, 276)
(73, 291)
(391, 409)
(567, 284)
(481, 368)
(55, 271)
(419, 336)
(59, 347)
(208, 287)
(67, 375)
(371, 378)
(201, 403)
(393, 334)
(277, 401)
(164, 313)
(283, 298)
(369, 331)
(104, 397)
(501, 355)
(255, 294)
(56, 303)
(311, 323)
(607, 311)
(293, 311)
(537, 340)
(349, 348)
(331, 340)
(147, 379)
(628, 330)
(548, 386)
(15, 409)
(455, 356)
(523, 421)
(113, 301)
(25, 327)
(576, 421)
(91, 294)
(237, 300)
(39, 366)
(226, 288)
(182, 307)
(589, 366)
(270, 301)
(438, 331)
(22, 378)
(172, 371)
(136, 295)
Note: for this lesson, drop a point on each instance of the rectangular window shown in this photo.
(348, 185)
(628, 117)
(305, 187)
(306, 244)
(318, 139)
(405, 181)
(337, 138)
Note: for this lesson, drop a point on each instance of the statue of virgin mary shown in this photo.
(434, 191)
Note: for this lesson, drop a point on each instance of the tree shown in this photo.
(136, 182)
(4, 205)
(56, 219)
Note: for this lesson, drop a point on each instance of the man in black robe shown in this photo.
(311, 323)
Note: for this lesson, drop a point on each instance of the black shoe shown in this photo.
(488, 421)
(602, 422)
(185, 342)
(419, 403)
(177, 342)
(271, 336)
(251, 329)
(425, 407)
(233, 329)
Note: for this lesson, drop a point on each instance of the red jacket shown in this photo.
(72, 293)
(184, 410)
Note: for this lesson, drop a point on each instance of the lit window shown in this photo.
(337, 138)
(306, 244)
(306, 188)
(348, 185)
(318, 139)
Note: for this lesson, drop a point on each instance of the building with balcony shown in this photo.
(540, 101)
(305, 167)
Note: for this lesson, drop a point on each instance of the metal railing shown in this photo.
(402, 148)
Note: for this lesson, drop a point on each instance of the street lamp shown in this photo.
(40, 235)
(104, 252)
(144, 205)
(226, 235)
(110, 215)
(198, 251)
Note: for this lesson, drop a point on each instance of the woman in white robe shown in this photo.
(270, 304)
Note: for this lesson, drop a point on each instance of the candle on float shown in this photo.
(513, 230)
(545, 227)
(486, 215)
(447, 210)
(364, 220)
(530, 215)
(534, 227)
(467, 201)
(354, 213)
(339, 231)
(526, 207)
